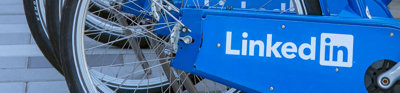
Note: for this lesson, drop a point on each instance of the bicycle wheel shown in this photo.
(36, 17)
(91, 66)
(100, 25)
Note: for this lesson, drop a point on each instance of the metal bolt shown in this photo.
(194, 65)
(337, 70)
(218, 45)
(187, 39)
(167, 52)
(283, 26)
(271, 88)
(184, 30)
(391, 34)
(385, 81)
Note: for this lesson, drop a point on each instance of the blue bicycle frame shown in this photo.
(255, 51)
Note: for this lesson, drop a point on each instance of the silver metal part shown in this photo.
(387, 79)
(175, 37)
(155, 9)
(336, 69)
(171, 7)
(391, 34)
(368, 13)
(170, 15)
(186, 39)
(271, 88)
(168, 52)
(218, 45)
(184, 30)
(231, 90)
(300, 7)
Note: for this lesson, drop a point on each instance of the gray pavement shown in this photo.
(394, 7)
(23, 69)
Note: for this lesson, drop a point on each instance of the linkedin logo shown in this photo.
(336, 50)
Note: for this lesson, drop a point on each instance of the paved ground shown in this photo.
(394, 7)
(23, 69)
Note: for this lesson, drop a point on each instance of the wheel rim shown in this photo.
(104, 81)
(97, 74)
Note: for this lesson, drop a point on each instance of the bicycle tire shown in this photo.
(73, 82)
(39, 34)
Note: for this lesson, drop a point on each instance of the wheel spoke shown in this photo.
(124, 51)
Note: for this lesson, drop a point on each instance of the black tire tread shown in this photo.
(39, 36)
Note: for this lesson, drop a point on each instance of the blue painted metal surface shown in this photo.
(355, 8)
(371, 42)
(136, 6)
(299, 53)
(378, 8)
(260, 5)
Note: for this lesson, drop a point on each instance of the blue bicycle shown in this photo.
(229, 46)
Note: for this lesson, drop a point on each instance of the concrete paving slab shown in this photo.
(13, 62)
(19, 50)
(14, 28)
(47, 87)
(15, 38)
(12, 9)
(38, 62)
(12, 87)
(12, 19)
(32, 74)
(11, 2)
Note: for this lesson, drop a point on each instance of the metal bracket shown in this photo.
(175, 36)
(389, 78)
